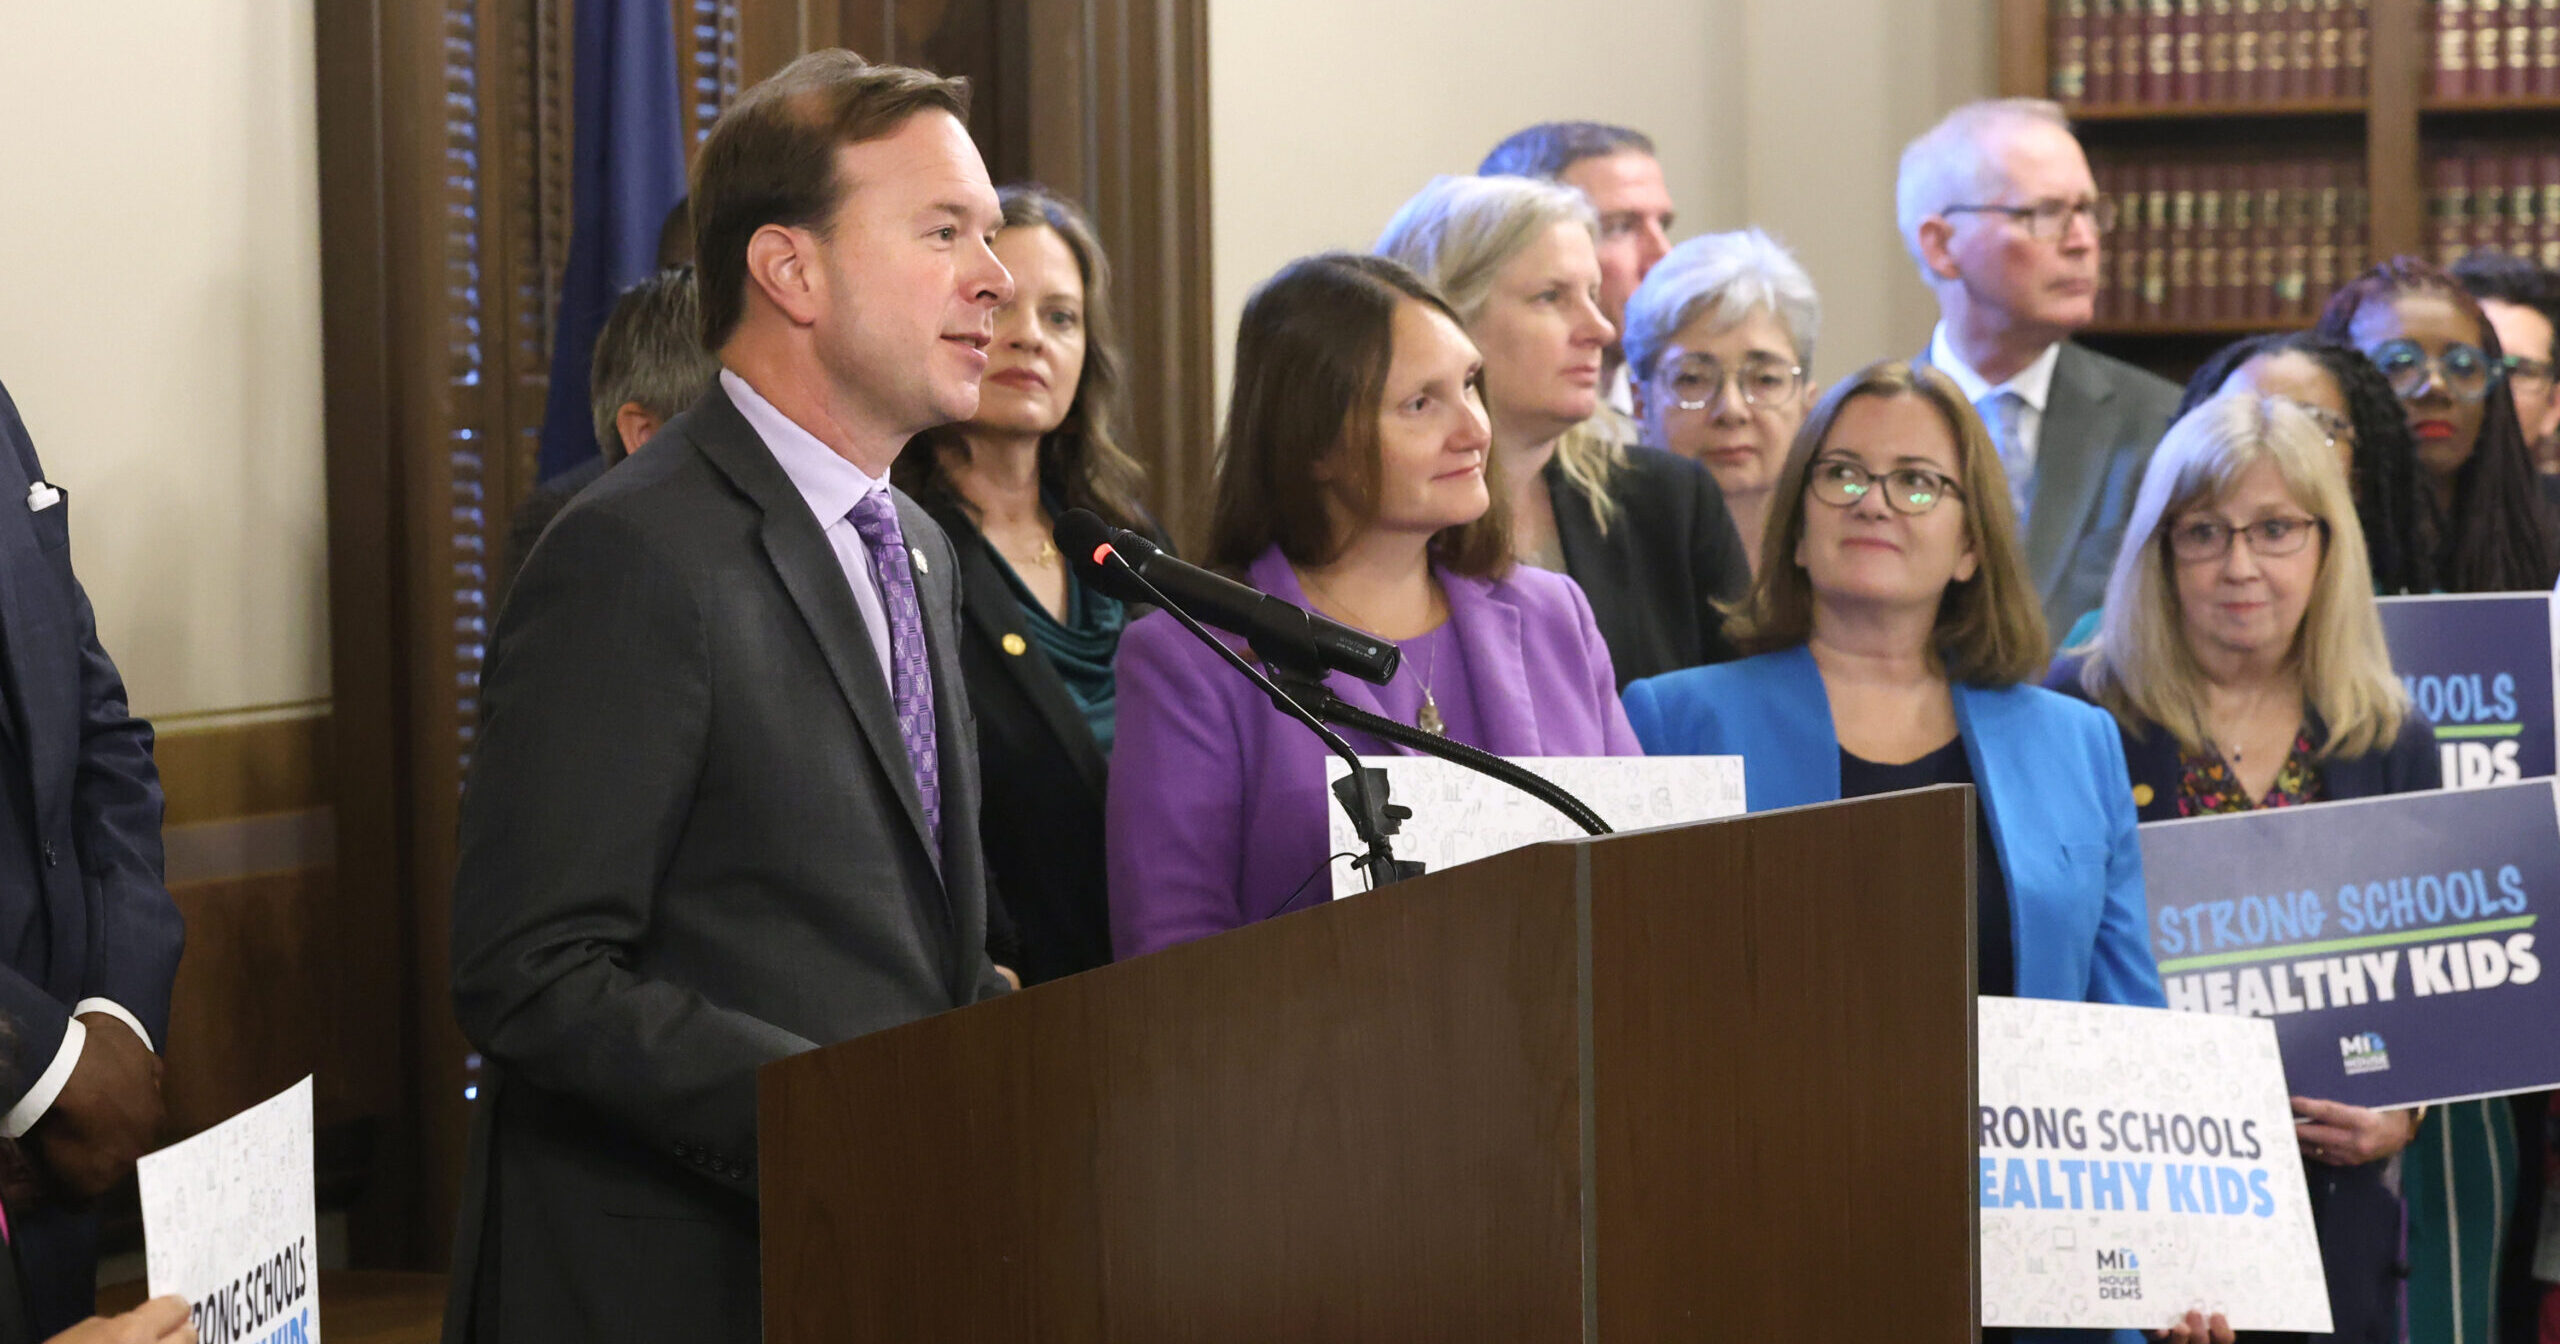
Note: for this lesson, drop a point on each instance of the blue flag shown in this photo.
(626, 173)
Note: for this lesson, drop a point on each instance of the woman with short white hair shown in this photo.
(1719, 342)
(2242, 656)
(1645, 534)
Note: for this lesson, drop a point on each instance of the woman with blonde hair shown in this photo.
(2242, 657)
(1646, 534)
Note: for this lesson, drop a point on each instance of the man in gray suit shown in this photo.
(1998, 207)
(724, 805)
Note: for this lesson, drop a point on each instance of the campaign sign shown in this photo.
(2395, 941)
(2135, 1165)
(229, 1221)
(1460, 816)
(2479, 667)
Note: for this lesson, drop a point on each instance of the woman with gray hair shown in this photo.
(1644, 533)
(1719, 337)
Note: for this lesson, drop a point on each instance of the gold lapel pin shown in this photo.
(1013, 645)
(917, 554)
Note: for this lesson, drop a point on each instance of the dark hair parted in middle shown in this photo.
(1081, 461)
(2496, 534)
(1312, 355)
(1990, 630)
(771, 159)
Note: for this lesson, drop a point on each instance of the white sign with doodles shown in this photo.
(1460, 816)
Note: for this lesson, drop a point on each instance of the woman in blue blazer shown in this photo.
(1896, 630)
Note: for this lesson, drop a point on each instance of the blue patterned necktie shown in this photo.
(910, 674)
(2000, 415)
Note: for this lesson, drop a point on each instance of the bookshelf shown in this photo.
(2383, 126)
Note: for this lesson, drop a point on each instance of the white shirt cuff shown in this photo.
(39, 1098)
(117, 1011)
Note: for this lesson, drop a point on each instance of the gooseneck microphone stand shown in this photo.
(1363, 793)
(1299, 692)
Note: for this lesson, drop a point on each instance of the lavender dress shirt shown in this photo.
(1217, 802)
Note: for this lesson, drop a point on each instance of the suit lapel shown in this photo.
(2080, 423)
(1488, 631)
(809, 571)
(987, 602)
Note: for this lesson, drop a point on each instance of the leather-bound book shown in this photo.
(2357, 40)
(2488, 30)
(2293, 242)
(2546, 221)
(2071, 51)
(2184, 293)
(2355, 216)
(2275, 49)
(2190, 34)
(2160, 53)
(2524, 208)
(2131, 56)
(2263, 248)
(2327, 222)
(2248, 25)
(2453, 48)
(2155, 246)
(2213, 181)
(2546, 48)
(2329, 59)
(2449, 207)
(2100, 42)
(2302, 70)
(2128, 243)
(2217, 51)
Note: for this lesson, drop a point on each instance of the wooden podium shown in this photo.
(1710, 1082)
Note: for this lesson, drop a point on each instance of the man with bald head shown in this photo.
(1614, 168)
(2001, 213)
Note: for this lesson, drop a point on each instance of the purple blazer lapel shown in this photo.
(1489, 629)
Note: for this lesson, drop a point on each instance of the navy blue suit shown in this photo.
(84, 910)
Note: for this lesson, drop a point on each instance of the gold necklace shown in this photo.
(1427, 718)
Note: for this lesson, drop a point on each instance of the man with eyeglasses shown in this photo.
(2522, 300)
(1997, 205)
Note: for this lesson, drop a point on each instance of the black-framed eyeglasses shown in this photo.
(2462, 372)
(2048, 221)
(1911, 491)
(1760, 381)
(2201, 539)
(2530, 370)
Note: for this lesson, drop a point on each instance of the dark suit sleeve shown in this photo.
(597, 705)
(115, 821)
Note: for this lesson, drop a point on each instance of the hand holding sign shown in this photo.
(162, 1320)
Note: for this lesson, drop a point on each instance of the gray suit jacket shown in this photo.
(691, 844)
(2101, 421)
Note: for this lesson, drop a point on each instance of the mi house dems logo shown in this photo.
(2119, 1275)
(2363, 1053)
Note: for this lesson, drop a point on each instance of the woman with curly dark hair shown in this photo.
(2436, 348)
(2357, 409)
(1039, 649)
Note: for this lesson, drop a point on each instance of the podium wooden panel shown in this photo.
(1707, 1082)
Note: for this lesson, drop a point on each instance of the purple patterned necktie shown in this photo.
(910, 675)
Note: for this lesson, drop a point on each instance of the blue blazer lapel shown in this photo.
(807, 566)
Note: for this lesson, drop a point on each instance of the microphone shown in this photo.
(1283, 635)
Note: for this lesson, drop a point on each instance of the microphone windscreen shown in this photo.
(1079, 534)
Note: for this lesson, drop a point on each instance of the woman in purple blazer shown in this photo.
(1353, 481)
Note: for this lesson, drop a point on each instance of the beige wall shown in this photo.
(159, 257)
(1790, 114)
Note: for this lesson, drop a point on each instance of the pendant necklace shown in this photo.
(1426, 718)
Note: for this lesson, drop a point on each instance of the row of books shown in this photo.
(2157, 52)
(2199, 240)
(2485, 197)
(2497, 48)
